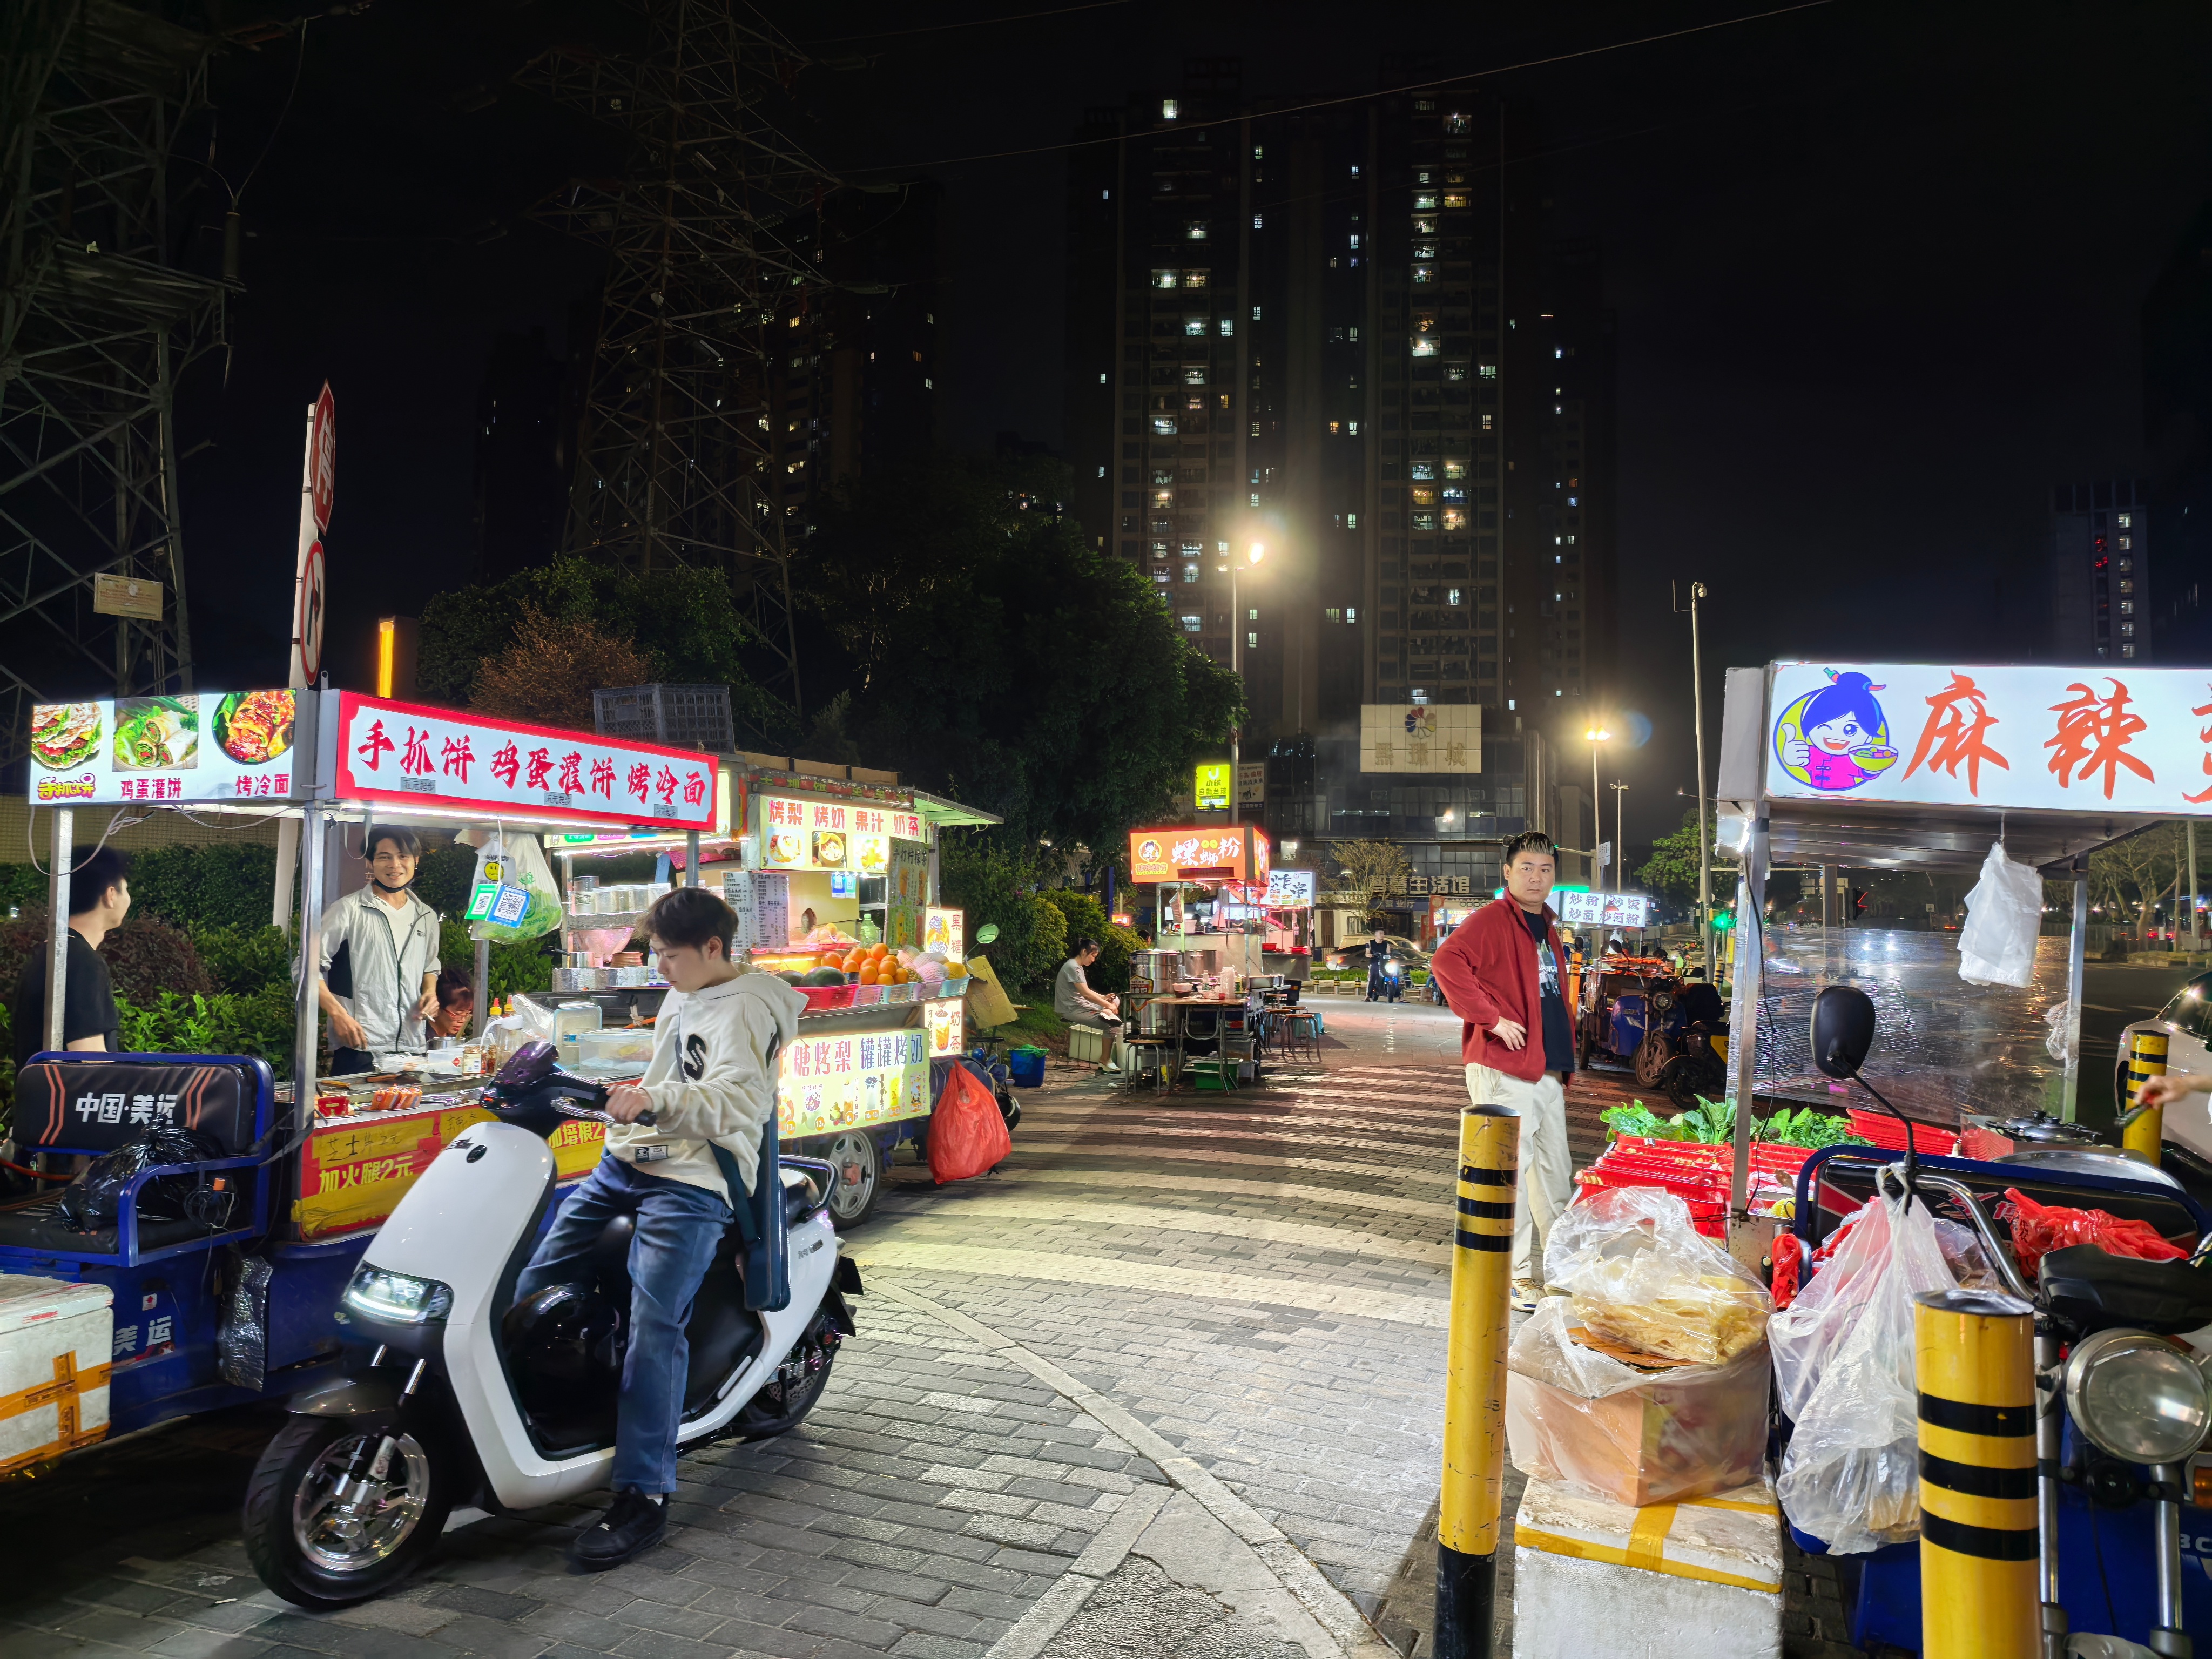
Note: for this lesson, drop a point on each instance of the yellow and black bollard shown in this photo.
(2144, 1137)
(1474, 1398)
(1976, 1371)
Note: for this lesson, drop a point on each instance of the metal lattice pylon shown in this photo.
(97, 325)
(713, 233)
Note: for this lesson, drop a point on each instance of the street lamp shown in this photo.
(1236, 667)
(1596, 734)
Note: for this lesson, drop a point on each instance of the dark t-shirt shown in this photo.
(1701, 1003)
(1559, 1029)
(88, 1009)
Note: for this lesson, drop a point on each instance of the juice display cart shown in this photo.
(859, 855)
(239, 1305)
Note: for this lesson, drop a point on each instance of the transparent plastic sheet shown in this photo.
(1844, 1368)
(1640, 1274)
(2005, 913)
(1579, 1416)
(1941, 1047)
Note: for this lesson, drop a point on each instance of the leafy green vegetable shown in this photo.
(1711, 1122)
(1803, 1127)
(1633, 1119)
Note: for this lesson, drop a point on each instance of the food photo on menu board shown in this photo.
(157, 734)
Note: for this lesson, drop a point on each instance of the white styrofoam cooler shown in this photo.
(56, 1338)
(1596, 1579)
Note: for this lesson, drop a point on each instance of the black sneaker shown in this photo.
(633, 1524)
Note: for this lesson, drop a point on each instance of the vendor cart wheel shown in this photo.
(859, 1167)
(322, 1532)
(783, 1402)
(1651, 1060)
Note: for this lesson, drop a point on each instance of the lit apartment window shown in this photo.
(1163, 475)
(1353, 426)
(1455, 517)
(1351, 614)
(1455, 199)
(1196, 230)
(1160, 574)
(1169, 109)
(1191, 624)
(2127, 651)
(1424, 202)
(1455, 122)
(1425, 345)
(1424, 226)
(1255, 493)
(1423, 497)
(1424, 469)
(2127, 607)
(2127, 541)
(1489, 371)
(2127, 520)
(1424, 520)
(1486, 423)
(1355, 169)
(1193, 325)
(1190, 573)
(2127, 630)
(1159, 550)
(1355, 242)
(2125, 565)
(1164, 498)
(1164, 426)
(1228, 326)
(1351, 521)
(1423, 274)
(2126, 586)
(1334, 613)
(1195, 279)
(1251, 642)
(1332, 428)
(1166, 278)
(1193, 377)
(1255, 221)
(1259, 153)
(1255, 313)
(1454, 371)
(1193, 549)
(1452, 497)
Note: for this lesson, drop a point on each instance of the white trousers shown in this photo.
(1546, 1181)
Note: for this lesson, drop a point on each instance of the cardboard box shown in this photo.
(56, 1338)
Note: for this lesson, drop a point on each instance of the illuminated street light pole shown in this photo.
(1236, 667)
(1704, 832)
(1596, 734)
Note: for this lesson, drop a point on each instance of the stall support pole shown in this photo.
(480, 983)
(57, 913)
(1743, 1006)
(2077, 943)
(691, 858)
(2196, 935)
(1473, 1494)
(2050, 1445)
(1978, 1556)
(306, 1044)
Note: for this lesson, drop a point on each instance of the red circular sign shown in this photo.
(307, 624)
(323, 456)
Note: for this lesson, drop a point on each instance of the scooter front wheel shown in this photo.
(338, 1512)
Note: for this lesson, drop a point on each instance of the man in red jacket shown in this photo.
(1501, 973)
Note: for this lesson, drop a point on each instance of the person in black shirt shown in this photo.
(1700, 1004)
(1379, 984)
(100, 898)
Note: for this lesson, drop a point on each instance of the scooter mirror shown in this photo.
(1842, 1030)
(533, 1062)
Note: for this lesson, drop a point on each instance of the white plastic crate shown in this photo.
(56, 1338)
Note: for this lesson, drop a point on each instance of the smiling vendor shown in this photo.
(387, 985)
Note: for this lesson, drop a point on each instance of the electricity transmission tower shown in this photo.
(96, 325)
(713, 232)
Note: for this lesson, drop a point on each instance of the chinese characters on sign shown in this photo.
(1420, 737)
(1170, 854)
(1604, 909)
(206, 747)
(848, 1082)
(389, 751)
(1290, 889)
(819, 835)
(2133, 739)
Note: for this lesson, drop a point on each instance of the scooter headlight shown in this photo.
(375, 1294)
(2138, 1397)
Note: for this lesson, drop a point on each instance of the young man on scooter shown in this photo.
(710, 1089)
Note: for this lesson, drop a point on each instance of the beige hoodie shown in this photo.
(711, 1080)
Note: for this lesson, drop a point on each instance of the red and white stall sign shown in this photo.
(445, 757)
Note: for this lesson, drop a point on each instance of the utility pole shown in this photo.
(1705, 829)
(1620, 833)
(2195, 936)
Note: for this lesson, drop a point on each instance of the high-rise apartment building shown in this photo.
(1345, 335)
(2101, 592)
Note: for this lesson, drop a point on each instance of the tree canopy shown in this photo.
(989, 652)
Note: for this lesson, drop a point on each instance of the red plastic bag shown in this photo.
(1789, 1257)
(2039, 1229)
(966, 1136)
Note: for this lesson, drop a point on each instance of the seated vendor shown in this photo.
(1700, 1003)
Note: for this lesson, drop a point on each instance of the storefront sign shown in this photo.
(1290, 889)
(1252, 784)
(126, 596)
(1240, 853)
(1210, 793)
(1420, 737)
(1603, 909)
(208, 747)
(355, 1170)
(942, 1020)
(904, 892)
(867, 1078)
(438, 758)
(2114, 736)
(832, 835)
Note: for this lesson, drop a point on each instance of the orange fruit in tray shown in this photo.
(868, 974)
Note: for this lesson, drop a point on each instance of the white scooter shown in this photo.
(471, 1399)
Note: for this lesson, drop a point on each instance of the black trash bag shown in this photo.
(241, 1337)
(92, 1201)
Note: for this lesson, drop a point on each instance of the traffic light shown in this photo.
(1722, 921)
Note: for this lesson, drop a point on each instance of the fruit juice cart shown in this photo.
(238, 1302)
(1921, 767)
(857, 852)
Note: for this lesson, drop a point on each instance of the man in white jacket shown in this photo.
(710, 1089)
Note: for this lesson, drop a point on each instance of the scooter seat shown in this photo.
(2091, 1290)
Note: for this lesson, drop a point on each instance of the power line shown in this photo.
(980, 22)
(1364, 97)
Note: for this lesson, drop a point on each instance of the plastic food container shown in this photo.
(609, 1050)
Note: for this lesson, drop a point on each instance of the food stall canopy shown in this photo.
(1239, 852)
(948, 814)
(1906, 766)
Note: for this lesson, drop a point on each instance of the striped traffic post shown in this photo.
(1473, 1498)
(1979, 1555)
(2145, 1137)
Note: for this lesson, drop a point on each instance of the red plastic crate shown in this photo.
(1880, 1129)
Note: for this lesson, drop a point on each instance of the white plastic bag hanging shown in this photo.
(514, 897)
(2005, 913)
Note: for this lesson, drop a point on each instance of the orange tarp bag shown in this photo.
(966, 1136)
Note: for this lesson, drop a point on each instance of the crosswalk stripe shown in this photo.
(1444, 1172)
(1359, 1301)
(1358, 1198)
(1156, 1217)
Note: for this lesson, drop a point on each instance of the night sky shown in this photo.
(1877, 270)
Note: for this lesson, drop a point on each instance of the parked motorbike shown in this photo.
(2138, 1405)
(1697, 1067)
(471, 1398)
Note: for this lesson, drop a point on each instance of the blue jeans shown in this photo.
(678, 1228)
